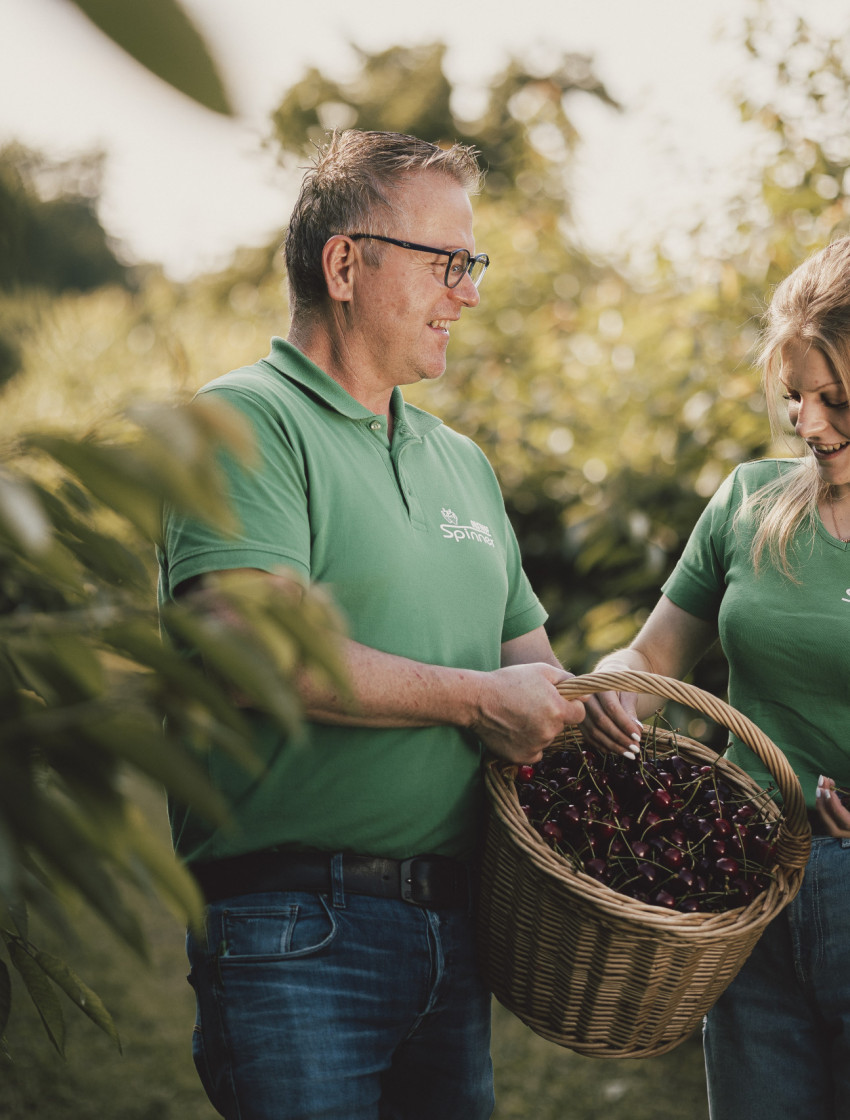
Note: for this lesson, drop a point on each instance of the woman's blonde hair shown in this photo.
(812, 307)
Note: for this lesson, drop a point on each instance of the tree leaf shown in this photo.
(169, 874)
(160, 36)
(41, 992)
(113, 473)
(21, 515)
(136, 738)
(88, 1001)
(50, 831)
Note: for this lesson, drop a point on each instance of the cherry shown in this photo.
(664, 898)
(525, 773)
(727, 866)
(661, 800)
(672, 858)
(541, 798)
(569, 819)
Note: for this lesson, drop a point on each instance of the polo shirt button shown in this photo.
(375, 425)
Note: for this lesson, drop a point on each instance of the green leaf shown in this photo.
(170, 875)
(61, 667)
(51, 832)
(22, 516)
(114, 474)
(160, 36)
(242, 663)
(138, 739)
(41, 992)
(102, 555)
(88, 1001)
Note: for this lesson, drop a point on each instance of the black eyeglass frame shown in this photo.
(480, 258)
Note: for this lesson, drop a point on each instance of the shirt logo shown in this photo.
(847, 593)
(474, 531)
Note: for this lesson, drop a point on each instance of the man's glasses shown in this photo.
(460, 263)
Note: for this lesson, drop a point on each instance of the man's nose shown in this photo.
(466, 292)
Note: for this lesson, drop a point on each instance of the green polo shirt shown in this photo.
(787, 641)
(412, 541)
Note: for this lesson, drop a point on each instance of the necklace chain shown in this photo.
(844, 540)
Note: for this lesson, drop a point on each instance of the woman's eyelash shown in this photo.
(794, 399)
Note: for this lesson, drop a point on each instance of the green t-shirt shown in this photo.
(787, 643)
(412, 541)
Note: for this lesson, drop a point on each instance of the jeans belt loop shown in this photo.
(337, 882)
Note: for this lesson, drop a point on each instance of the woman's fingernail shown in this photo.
(634, 735)
(821, 780)
(637, 721)
(629, 754)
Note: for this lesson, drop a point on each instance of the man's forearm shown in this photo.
(386, 690)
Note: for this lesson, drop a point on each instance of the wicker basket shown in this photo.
(599, 972)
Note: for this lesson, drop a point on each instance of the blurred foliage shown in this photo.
(50, 233)
(90, 694)
(51, 237)
(160, 36)
(86, 682)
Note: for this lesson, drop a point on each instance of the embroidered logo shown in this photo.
(847, 593)
(474, 531)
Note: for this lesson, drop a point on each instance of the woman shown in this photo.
(767, 568)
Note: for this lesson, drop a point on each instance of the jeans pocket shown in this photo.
(277, 932)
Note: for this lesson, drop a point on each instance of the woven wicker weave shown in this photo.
(599, 972)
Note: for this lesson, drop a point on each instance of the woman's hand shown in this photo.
(833, 814)
(669, 644)
(611, 723)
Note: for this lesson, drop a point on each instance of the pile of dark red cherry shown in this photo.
(661, 829)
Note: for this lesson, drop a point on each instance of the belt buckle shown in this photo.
(406, 883)
(430, 894)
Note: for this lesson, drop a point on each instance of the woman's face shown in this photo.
(819, 410)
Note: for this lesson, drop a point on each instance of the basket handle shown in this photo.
(794, 836)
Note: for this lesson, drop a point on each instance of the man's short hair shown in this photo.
(352, 187)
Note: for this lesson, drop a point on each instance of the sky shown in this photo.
(186, 187)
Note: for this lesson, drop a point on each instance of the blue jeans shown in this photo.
(340, 1007)
(777, 1043)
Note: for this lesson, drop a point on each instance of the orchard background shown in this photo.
(611, 404)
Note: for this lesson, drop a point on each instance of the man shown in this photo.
(338, 977)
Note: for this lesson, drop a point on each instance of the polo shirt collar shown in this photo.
(297, 367)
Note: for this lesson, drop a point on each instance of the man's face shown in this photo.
(402, 311)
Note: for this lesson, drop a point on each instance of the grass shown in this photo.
(154, 1078)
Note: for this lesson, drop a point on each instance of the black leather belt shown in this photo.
(436, 882)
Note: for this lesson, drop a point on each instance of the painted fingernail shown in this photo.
(637, 721)
(629, 754)
(634, 735)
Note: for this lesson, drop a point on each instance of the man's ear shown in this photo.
(339, 260)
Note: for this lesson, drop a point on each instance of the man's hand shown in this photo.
(520, 711)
